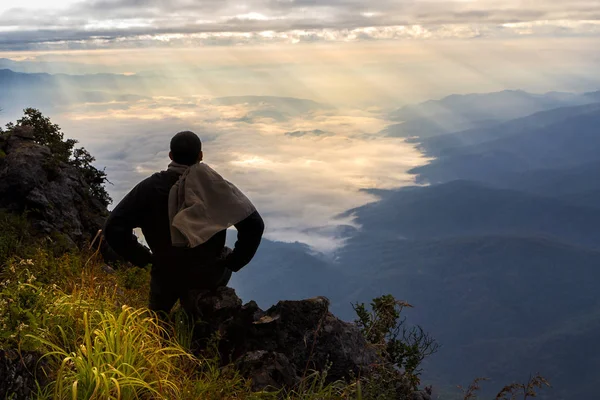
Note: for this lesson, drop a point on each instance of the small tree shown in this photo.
(49, 134)
(402, 347)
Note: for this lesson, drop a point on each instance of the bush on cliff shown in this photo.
(49, 134)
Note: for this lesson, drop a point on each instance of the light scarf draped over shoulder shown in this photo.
(202, 203)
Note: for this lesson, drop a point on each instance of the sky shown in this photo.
(356, 60)
(40, 24)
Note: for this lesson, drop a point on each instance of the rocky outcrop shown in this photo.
(280, 346)
(267, 369)
(20, 373)
(53, 193)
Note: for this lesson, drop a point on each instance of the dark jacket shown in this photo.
(146, 207)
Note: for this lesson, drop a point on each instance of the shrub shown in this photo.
(402, 346)
(14, 236)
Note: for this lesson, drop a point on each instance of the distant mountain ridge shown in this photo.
(446, 144)
(462, 112)
(562, 143)
(49, 92)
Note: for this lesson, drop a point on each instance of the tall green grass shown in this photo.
(122, 355)
(100, 342)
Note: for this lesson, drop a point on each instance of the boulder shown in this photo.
(300, 336)
(20, 372)
(267, 370)
(54, 194)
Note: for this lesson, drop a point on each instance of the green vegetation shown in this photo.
(101, 343)
(14, 237)
(401, 347)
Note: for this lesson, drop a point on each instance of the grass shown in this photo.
(100, 342)
(120, 355)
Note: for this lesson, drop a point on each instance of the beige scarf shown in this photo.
(202, 203)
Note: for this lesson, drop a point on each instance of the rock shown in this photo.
(54, 193)
(305, 332)
(421, 396)
(313, 338)
(24, 132)
(267, 370)
(107, 269)
(212, 310)
(18, 373)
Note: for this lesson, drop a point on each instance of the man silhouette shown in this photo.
(183, 213)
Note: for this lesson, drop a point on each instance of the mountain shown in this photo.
(48, 92)
(447, 144)
(491, 301)
(11, 80)
(505, 280)
(500, 256)
(286, 270)
(461, 112)
(505, 305)
(567, 143)
(463, 208)
(567, 184)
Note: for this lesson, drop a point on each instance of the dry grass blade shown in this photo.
(470, 392)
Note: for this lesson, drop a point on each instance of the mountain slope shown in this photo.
(460, 112)
(286, 270)
(506, 306)
(448, 144)
(566, 144)
(462, 208)
(503, 305)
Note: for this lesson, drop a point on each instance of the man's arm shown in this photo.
(250, 232)
(118, 229)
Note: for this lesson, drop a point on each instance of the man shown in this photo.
(172, 198)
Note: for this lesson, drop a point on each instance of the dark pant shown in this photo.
(167, 285)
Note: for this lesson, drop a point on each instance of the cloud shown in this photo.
(314, 132)
(299, 183)
(127, 23)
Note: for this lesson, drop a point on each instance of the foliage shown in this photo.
(95, 178)
(513, 391)
(47, 133)
(14, 236)
(120, 355)
(63, 150)
(101, 343)
(402, 347)
(132, 277)
(470, 393)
